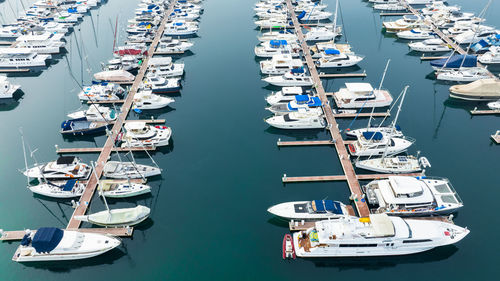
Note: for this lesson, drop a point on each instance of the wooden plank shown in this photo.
(300, 225)
(475, 111)
(106, 102)
(352, 115)
(121, 231)
(6, 43)
(394, 14)
(100, 149)
(431, 58)
(287, 179)
(342, 75)
(301, 143)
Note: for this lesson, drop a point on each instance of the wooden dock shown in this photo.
(106, 102)
(100, 149)
(168, 53)
(303, 143)
(475, 111)
(496, 137)
(341, 75)
(121, 231)
(286, 179)
(394, 14)
(14, 70)
(432, 58)
(352, 115)
(332, 127)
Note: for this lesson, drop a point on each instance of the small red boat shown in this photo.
(288, 248)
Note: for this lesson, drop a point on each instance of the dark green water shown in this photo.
(223, 171)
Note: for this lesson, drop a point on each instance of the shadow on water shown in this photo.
(378, 263)
(11, 103)
(306, 134)
(277, 221)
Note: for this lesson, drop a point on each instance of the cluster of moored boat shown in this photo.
(481, 43)
(392, 228)
(67, 176)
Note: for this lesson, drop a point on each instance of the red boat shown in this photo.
(288, 248)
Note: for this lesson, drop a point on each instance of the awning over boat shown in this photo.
(373, 135)
(65, 160)
(69, 185)
(323, 206)
(332, 52)
(46, 239)
(456, 61)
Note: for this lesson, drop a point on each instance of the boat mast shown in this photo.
(393, 125)
(379, 88)
(335, 19)
(100, 187)
(25, 159)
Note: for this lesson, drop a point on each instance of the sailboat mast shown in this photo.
(25, 159)
(335, 17)
(100, 186)
(379, 88)
(399, 107)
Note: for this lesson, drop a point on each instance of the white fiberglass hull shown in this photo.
(48, 190)
(376, 165)
(287, 211)
(118, 217)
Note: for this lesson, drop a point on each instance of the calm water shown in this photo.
(209, 218)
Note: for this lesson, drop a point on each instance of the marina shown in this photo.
(359, 160)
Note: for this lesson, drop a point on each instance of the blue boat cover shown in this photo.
(303, 14)
(71, 10)
(178, 23)
(298, 70)
(46, 239)
(302, 98)
(398, 128)
(332, 52)
(323, 206)
(276, 43)
(456, 61)
(177, 10)
(372, 135)
(69, 185)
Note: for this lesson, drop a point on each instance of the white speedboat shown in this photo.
(290, 79)
(158, 84)
(334, 58)
(117, 217)
(310, 103)
(409, 196)
(274, 23)
(322, 33)
(94, 113)
(54, 244)
(275, 47)
(114, 76)
(284, 96)
(145, 99)
(406, 23)
(129, 170)
(376, 143)
(7, 89)
(356, 133)
(65, 167)
(389, 7)
(359, 95)
(181, 28)
(139, 134)
(309, 210)
(101, 92)
(297, 120)
(494, 105)
(169, 45)
(491, 57)
(280, 64)
(473, 36)
(416, 34)
(376, 235)
(468, 74)
(10, 31)
(122, 188)
(47, 47)
(287, 35)
(394, 164)
(59, 189)
(430, 45)
(170, 70)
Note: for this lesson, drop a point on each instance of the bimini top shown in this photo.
(310, 101)
(46, 239)
(456, 61)
(65, 160)
(373, 135)
(332, 52)
(359, 87)
(276, 43)
(323, 206)
(382, 225)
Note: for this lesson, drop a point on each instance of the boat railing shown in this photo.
(410, 139)
(448, 183)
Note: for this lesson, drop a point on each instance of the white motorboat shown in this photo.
(334, 58)
(181, 28)
(376, 235)
(158, 84)
(169, 45)
(10, 31)
(297, 120)
(473, 36)
(274, 23)
(491, 57)
(494, 105)
(44, 37)
(409, 196)
(122, 188)
(159, 61)
(359, 95)
(416, 34)
(287, 35)
(309, 210)
(184, 15)
(275, 47)
(170, 70)
(22, 60)
(129, 170)
(479, 90)
(284, 96)
(54, 244)
(59, 189)
(318, 49)
(65, 167)
(430, 45)
(383, 1)
(389, 7)
(314, 15)
(377, 143)
(280, 64)
(439, 7)
(394, 165)
(309, 103)
(94, 113)
(101, 92)
(322, 33)
(7, 89)
(145, 99)
(408, 22)
(290, 79)
(39, 47)
(117, 217)
(390, 130)
(139, 134)
(468, 74)
(114, 76)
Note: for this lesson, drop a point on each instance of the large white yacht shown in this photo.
(169, 45)
(430, 45)
(334, 58)
(309, 210)
(376, 235)
(139, 134)
(54, 244)
(22, 60)
(7, 89)
(280, 64)
(321, 33)
(377, 143)
(394, 165)
(290, 79)
(170, 70)
(275, 47)
(310, 103)
(361, 95)
(297, 120)
(409, 196)
(181, 28)
(287, 35)
(416, 34)
(65, 167)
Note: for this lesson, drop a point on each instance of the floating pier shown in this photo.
(431, 58)
(342, 75)
(14, 70)
(475, 111)
(395, 14)
(304, 143)
(286, 179)
(121, 231)
(100, 149)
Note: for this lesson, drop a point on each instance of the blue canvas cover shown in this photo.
(298, 70)
(302, 98)
(456, 61)
(276, 43)
(68, 186)
(332, 52)
(177, 10)
(314, 102)
(320, 208)
(303, 14)
(178, 23)
(46, 239)
(333, 207)
(372, 135)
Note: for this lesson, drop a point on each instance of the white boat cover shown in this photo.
(115, 76)
(483, 87)
(382, 225)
